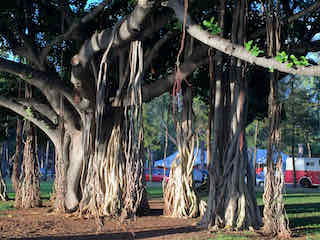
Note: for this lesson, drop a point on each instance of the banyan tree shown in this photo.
(91, 69)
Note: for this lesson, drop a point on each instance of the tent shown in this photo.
(169, 159)
(262, 158)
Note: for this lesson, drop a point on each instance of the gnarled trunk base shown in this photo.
(180, 199)
(3, 189)
(232, 198)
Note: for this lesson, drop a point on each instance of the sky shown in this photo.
(93, 2)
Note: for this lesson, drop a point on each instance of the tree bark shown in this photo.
(15, 167)
(180, 198)
(274, 216)
(232, 200)
(236, 50)
(29, 182)
(255, 152)
(3, 188)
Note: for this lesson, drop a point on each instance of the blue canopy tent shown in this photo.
(169, 159)
(198, 175)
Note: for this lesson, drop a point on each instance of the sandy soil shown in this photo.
(40, 223)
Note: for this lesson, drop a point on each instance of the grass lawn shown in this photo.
(302, 206)
(45, 193)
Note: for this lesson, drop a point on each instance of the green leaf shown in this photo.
(271, 69)
(278, 58)
(304, 61)
(207, 23)
(290, 65)
(255, 51)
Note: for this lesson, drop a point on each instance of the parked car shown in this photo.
(199, 175)
(157, 174)
(260, 180)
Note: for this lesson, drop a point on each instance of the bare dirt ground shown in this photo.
(40, 223)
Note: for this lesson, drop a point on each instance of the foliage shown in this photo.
(29, 112)
(254, 50)
(302, 118)
(292, 60)
(156, 117)
(155, 122)
(212, 26)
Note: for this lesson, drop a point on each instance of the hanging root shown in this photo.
(135, 193)
(3, 189)
(29, 184)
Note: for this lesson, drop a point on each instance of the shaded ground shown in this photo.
(42, 224)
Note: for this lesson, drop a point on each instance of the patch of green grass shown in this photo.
(6, 205)
(313, 236)
(155, 192)
(226, 236)
(46, 189)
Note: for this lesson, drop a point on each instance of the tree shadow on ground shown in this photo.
(309, 222)
(155, 212)
(123, 235)
(302, 208)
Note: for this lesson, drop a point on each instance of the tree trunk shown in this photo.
(232, 200)
(179, 194)
(293, 142)
(29, 182)
(28, 195)
(46, 161)
(309, 149)
(113, 182)
(150, 163)
(274, 218)
(3, 188)
(255, 152)
(15, 165)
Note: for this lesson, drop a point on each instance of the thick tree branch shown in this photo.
(237, 51)
(22, 111)
(43, 109)
(155, 50)
(50, 86)
(163, 85)
(34, 77)
(128, 29)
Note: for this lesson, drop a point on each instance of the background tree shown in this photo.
(301, 125)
